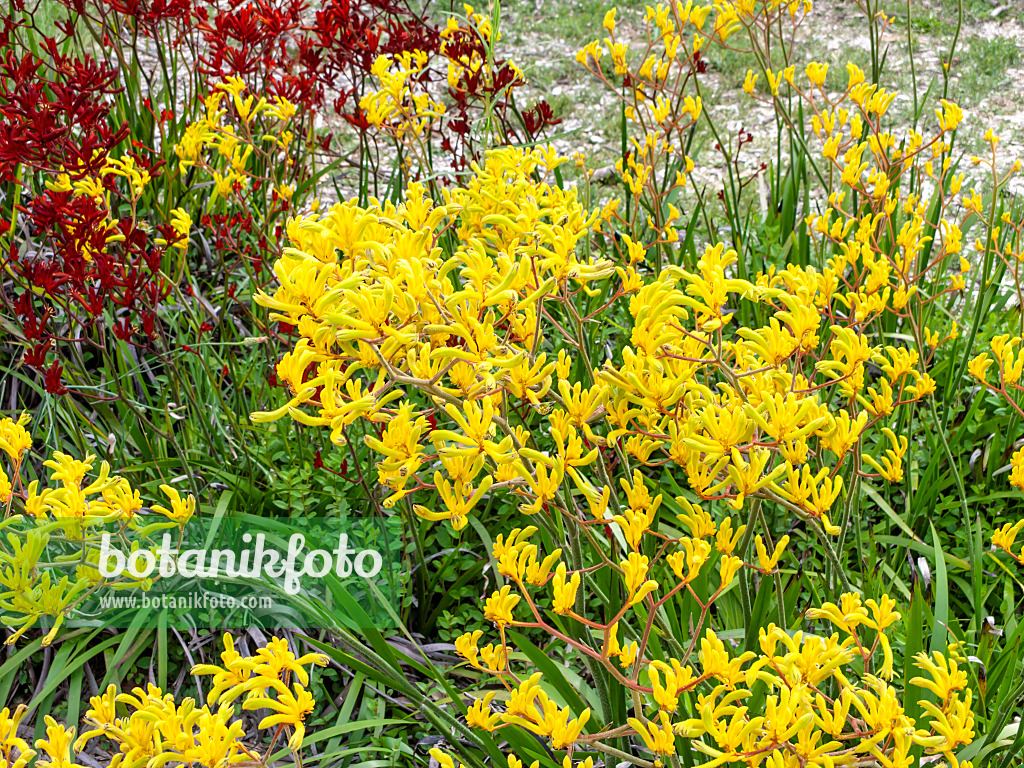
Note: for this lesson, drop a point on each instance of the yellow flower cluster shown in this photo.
(667, 54)
(1009, 360)
(273, 679)
(223, 141)
(15, 442)
(454, 337)
(181, 225)
(469, 67)
(126, 168)
(135, 180)
(379, 304)
(157, 730)
(405, 104)
(1005, 537)
(78, 509)
(882, 257)
(828, 699)
(656, 102)
(395, 105)
(885, 251)
(97, 186)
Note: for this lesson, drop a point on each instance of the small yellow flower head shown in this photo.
(856, 75)
(729, 566)
(949, 116)
(181, 510)
(15, 440)
(659, 737)
(715, 661)
(890, 466)
(1005, 537)
(693, 557)
(562, 727)
(768, 564)
(444, 759)
(498, 608)
(696, 518)
(750, 82)
(69, 471)
(564, 364)
(56, 746)
(727, 539)
(5, 487)
(480, 714)
(466, 646)
(816, 73)
(495, 657)
(181, 225)
(634, 573)
(1017, 469)
(565, 591)
(978, 366)
(609, 21)
(946, 677)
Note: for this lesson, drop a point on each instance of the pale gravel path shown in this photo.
(591, 107)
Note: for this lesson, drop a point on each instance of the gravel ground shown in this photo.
(987, 72)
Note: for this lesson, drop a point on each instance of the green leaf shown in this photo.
(940, 630)
(884, 506)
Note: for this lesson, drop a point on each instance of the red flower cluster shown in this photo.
(284, 48)
(320, 57)
(55, 114)
(257, 40)
(76, 262)
(233, 233)
(277, 48)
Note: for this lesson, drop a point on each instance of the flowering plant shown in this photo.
(76, 511)
(707, 443)
(158, 728)
(457, 339)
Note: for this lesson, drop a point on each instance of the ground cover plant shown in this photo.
(705, 448)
